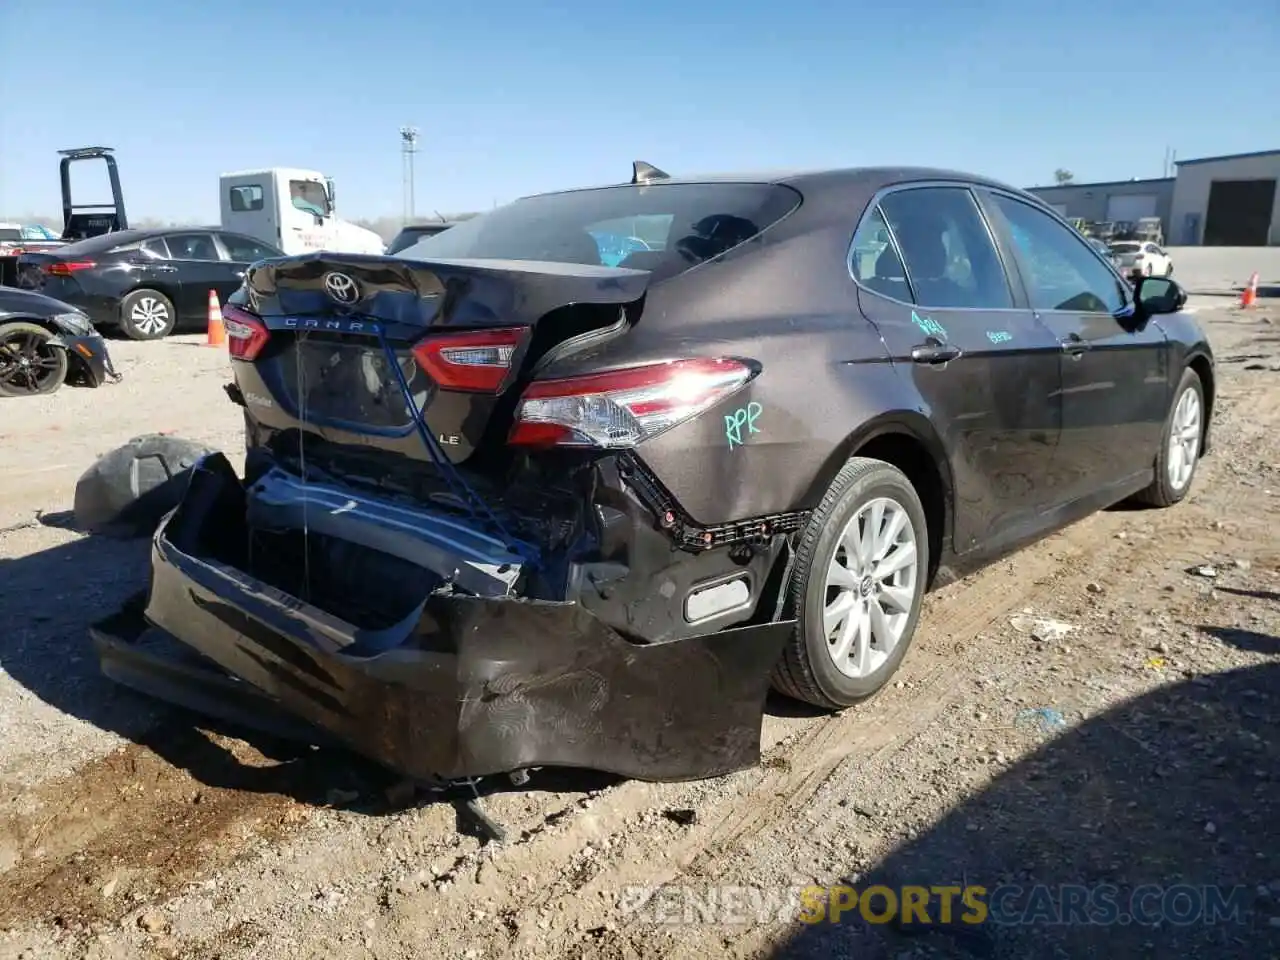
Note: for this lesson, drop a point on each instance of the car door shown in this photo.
(932, 281)
(200, 266)
(1115, 377)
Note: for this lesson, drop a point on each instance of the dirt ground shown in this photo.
(1098, 710)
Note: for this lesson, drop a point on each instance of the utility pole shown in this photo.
(408, 147)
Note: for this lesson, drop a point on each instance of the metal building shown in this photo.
(1116, 200)
(1226, 201)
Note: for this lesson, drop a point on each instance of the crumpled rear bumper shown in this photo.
(481, 686)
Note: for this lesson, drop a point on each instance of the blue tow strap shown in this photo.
(458, 485)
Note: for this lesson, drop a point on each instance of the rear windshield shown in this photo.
(411, 235)
(1125, 247)
(10, 233)
(662, 228)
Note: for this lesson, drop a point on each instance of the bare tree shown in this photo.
(1062, 177)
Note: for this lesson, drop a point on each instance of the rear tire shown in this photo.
(832, 661)
(147, 315)
(1176, 462)
(30, 364)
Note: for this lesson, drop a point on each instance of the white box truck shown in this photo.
(292, 209)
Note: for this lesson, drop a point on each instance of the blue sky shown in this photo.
(513, 98)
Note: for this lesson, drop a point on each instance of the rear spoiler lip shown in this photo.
(441, 292)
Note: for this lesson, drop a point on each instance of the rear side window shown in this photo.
(193, 246)
(663, 228)
(874, 260)
(153, 249)
(949, 256)
(246, 197)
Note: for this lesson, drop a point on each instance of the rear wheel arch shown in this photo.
(908, 441)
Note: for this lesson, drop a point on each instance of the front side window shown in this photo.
(947, 250)
(1061, 272)
(309, 196)
(193, 246)
(244, 250)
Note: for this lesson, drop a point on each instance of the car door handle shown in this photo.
(1074, 345)
(934, 352)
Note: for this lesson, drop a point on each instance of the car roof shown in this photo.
(861, 178)
(105, 241)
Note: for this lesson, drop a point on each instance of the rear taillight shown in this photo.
(65, 268)
(246, 334)
(477, 361)
(620, 408)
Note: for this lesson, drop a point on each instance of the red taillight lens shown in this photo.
(477, 361)
(65, 268)
(620, 408)
(246, 334)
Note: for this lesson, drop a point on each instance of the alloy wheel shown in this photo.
(1184, 439)
(871, 583)
(28, 363)
(149, 316)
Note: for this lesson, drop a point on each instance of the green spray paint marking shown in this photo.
(929, 325)
(999, 336)
(742, 417)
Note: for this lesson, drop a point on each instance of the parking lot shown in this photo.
(1098, 708)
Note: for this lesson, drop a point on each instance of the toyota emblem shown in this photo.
(341, 288)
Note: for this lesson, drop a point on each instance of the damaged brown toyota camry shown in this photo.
(575, 482)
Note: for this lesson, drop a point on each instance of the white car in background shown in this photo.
(1139, 258)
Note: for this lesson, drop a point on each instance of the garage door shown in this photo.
(1131, 206)
(1239, 213)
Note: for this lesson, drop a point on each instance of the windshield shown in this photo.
(662, 228)
(1125, 247)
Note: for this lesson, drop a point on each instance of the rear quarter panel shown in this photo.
(791, 306)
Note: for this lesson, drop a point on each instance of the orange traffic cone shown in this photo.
(1250, 294)
(216, 334)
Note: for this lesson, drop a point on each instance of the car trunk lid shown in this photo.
(347, 340)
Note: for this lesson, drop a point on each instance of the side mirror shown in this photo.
(1159, 295)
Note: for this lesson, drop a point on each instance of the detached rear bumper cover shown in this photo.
(482, 686)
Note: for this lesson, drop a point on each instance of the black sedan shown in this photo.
(506, 506)
(147, 283)
(45, 342)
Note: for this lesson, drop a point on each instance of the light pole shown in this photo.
(408, 147)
